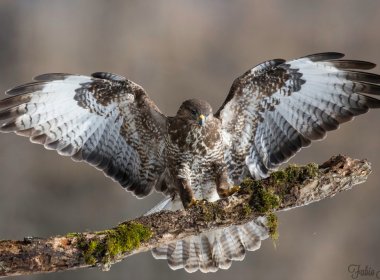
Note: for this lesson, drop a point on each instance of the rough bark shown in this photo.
(293, 187)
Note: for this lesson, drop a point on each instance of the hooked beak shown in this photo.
(201, 120)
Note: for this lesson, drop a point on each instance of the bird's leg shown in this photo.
(223, 188)
(186, 193)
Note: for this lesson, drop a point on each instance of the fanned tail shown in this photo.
(213, 250)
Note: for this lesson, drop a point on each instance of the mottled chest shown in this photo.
(192, 139)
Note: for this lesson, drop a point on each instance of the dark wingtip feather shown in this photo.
(369, 88)
(324, 56)
(358, 76)
(26, 88)
(14, 101)
(108, 76)
(353, 64)
(7, 113)
(371, 102)
(278, 61)
(51, 77)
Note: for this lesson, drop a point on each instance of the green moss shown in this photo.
(264, 200)
(267, 194)
(125, 238)
(281, 180)
(294, 173)
(272, 225)
(246, 209)
(209, 211)
(107, 245)
(73, 234)
(284, 180)
(249, 185)
(90, 253)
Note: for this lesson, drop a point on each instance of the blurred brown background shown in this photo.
(176, 50)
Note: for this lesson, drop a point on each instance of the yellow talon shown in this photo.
(193, 202)
(227, 192)
(233, 190)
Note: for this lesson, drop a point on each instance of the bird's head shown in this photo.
(195, 111)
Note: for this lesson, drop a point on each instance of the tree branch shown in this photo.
(283, 190)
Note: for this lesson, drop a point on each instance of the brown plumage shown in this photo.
(270, 113)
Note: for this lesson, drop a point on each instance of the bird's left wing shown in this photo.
(278, 107)
(103, 119)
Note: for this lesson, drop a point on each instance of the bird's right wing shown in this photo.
(103, 119)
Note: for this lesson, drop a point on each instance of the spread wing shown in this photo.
(278, 107)
(105, 120)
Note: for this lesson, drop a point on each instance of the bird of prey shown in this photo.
(270, 113)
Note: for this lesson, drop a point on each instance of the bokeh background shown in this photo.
(176, 50)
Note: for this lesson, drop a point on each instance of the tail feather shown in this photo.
(232, 246)
(160, 253)
(206, 256)
(219, 258)
(174, 255)
(251, 242)
(213, 250)
(192, 262)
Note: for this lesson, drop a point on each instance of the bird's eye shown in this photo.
(193, 112)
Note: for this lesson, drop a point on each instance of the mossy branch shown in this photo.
(292, 187)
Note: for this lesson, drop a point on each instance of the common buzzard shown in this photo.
(270, 113)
